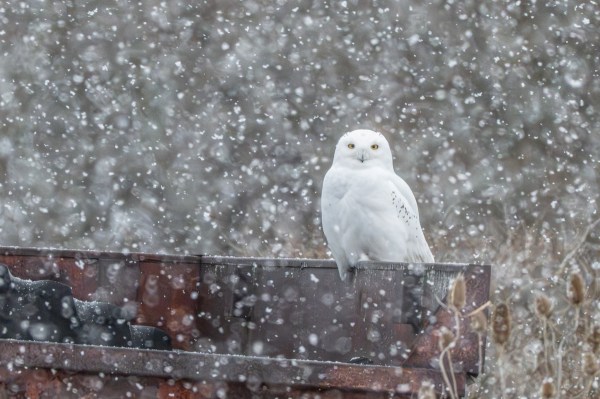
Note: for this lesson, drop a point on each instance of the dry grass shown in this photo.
(544, 329)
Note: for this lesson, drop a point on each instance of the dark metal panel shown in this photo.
(168, 298)
(297, 309)
(304, 311)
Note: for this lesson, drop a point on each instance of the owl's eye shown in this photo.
(351, 146)
(374, 146)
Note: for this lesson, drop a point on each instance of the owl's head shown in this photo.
(363, 148)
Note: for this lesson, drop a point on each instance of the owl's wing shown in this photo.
(402, 188)
(332, 213)
(406, 210)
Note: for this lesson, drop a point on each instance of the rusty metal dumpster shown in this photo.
(247, 327)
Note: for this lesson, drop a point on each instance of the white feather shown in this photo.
(369, 212)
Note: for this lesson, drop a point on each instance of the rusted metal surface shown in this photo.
(252, 372)
(45, 310)
(160, 286)
(387, 312)
(259, 315)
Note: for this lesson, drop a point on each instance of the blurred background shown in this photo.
(164, 126)
(207, 128)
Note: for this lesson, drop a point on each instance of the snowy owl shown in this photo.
(368, 211)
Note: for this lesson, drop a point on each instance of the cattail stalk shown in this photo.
(501, 325)
(501, 328)
(543, 306)
(576, 290)
(543, 309)
(458, 293)
(590, 364)
(590, 367)
(594, 339)
(560, 356)
(457, 299)
(547, 389)
(446, 342)
(576, 296)
(479, 326)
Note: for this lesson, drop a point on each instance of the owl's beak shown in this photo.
(362, 156)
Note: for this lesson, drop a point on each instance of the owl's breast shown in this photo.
(368, 190)
(357, 193)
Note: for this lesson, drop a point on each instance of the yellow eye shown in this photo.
(374, 146)
(351, 146)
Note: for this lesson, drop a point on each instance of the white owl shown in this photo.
(368, 211)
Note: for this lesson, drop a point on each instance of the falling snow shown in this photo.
(166, 126)
(207, 127)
